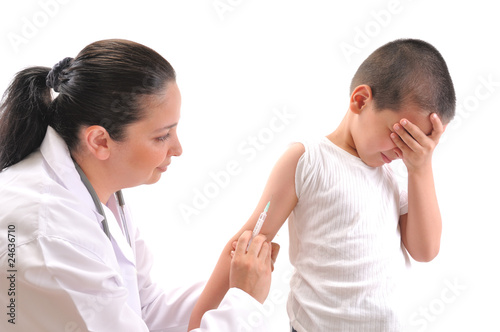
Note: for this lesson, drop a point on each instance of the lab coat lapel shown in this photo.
(124, 255)
(115, 228)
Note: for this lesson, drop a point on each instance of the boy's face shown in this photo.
(372, 130)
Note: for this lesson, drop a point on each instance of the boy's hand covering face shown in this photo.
(413, 145)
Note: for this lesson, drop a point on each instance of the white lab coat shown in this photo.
(67, 274)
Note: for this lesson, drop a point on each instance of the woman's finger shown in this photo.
(241, 246)
(256, 245)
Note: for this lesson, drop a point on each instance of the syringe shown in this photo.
(259, 224)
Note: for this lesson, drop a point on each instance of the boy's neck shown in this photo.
(342, 136)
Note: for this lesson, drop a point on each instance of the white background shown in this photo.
(240, 66)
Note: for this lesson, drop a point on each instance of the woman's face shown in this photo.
(151, 142)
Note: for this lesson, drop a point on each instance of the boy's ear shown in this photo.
(97, 140)
(360, 97)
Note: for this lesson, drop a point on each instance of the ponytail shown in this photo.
(24, 115)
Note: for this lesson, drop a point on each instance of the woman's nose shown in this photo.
(176, 148)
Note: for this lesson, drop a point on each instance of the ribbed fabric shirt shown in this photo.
(345, 243)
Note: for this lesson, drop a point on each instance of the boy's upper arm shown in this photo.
(280, 190)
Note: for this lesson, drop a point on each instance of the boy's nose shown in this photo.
(397, 153)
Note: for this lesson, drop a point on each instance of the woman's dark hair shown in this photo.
(106, 85)
(408, 71)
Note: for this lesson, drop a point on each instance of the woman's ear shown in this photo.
(97, 141)
(360, 97)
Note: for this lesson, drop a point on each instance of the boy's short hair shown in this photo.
(408, 71)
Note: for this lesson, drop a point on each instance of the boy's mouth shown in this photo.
(385, 159)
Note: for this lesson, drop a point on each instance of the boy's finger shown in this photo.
(414, 131)
(399, 142)
(437, 127)
(405, 137)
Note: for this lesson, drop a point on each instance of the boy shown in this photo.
(350, 226)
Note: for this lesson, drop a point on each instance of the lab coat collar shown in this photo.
(56, 153)
(111, 210)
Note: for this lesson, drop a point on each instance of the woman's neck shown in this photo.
(98, 177)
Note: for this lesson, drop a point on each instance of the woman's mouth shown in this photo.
(162, 168)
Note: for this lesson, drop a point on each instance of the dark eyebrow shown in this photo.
(166, 127)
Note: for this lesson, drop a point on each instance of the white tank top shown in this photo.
(345, 243)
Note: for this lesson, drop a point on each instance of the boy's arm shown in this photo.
(421, 227)
(281, 187)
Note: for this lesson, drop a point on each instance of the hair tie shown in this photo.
(52, 80)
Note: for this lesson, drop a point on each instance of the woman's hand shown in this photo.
(251, 270)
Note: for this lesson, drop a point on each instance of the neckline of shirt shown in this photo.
(346, 154)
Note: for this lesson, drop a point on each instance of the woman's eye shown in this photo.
(163, 138)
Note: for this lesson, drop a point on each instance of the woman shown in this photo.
(71, 259)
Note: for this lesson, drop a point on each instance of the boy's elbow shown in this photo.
(425, 256)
